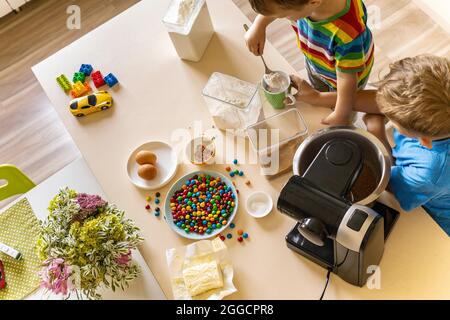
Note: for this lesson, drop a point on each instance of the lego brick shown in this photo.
(79, 76)
(86, 69)
(111, 80)
(80, 89)
(64, 83)
(98, 79)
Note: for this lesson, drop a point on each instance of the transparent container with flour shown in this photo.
(232, 103)
(190, 28)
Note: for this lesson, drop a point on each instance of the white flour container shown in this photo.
(190, 28)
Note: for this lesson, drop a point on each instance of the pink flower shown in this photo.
(89, 204)
(55, 276)
(124, 259)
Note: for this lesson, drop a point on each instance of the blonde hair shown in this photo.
(416, 95)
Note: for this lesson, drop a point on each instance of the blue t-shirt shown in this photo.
(421, 177)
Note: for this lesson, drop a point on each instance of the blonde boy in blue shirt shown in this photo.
(415, 96)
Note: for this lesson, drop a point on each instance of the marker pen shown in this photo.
(10, 251)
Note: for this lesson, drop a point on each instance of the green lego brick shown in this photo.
(79, 76)
(64, 83)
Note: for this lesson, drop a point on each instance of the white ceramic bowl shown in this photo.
(259, 204)
(166, 164)
(177, 186)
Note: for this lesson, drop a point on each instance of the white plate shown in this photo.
(261, 200)
(177, 186)
(166, 164)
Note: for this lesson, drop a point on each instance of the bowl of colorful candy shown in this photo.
(201, 204)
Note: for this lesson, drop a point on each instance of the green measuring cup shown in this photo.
(277, 98)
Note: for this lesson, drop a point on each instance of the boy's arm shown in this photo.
(347, 86)
(411, 185)
(255, 37)
(365, 99)
(375, 124)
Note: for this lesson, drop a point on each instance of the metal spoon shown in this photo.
(267, 71)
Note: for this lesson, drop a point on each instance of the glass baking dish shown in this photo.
(276, 139)
(232, 103)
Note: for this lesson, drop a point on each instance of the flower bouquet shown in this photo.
(85, 244)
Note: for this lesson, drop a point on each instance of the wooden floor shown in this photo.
(34, 139)
(31, 135)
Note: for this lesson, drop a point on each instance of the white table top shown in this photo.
(78, 176)
(160, 93)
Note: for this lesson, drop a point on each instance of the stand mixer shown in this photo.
(332, 230)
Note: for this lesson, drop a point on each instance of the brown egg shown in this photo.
(146, 157)
(147, 171)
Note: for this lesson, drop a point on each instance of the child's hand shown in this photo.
(337, 119)
(255, 38)
(305, 93)
(375, 123)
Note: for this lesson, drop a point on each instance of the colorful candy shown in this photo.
(147, 207)
(228, 169)
(148, 199)
(241, 234)
(235, 161)
(232, 174)
(202, 205)
(158, 194)
(248, 182)
(157, 201)
(241, 173)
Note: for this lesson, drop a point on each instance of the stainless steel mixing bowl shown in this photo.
(374, 153)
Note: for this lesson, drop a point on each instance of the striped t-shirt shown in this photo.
(342, 42)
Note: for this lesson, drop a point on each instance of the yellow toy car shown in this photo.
(98, 101)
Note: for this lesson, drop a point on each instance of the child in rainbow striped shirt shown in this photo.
(336, 42)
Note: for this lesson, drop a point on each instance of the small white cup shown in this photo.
(259, 204)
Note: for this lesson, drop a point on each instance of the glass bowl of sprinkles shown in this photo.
(201, 205)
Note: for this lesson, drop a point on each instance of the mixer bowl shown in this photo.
(376, 172)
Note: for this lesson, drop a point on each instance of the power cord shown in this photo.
(326, 284)
(329, 274)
